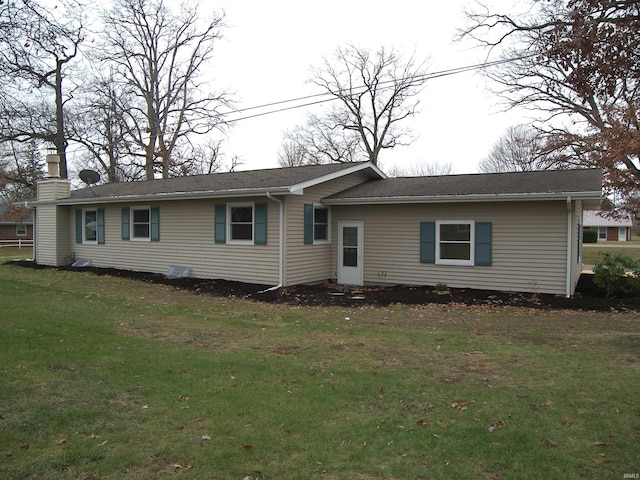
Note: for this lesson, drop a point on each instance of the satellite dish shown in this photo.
(89, 177)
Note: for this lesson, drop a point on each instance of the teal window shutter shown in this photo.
(221, 223)
(101, 225)
(260, 224)
(155, 224)
(126, 231)
(427, 242)
(483, 244)
(308, 224)
(79, 226)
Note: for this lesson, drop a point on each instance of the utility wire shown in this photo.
(331, 96)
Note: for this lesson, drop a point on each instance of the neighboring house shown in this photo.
(15, 231)
(342, 222)
(609, 229)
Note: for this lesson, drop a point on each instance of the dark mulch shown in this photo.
(587, 296)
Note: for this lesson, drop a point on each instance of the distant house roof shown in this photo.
(540, 185)
(243, 183)
(8, 220)
(596, 218)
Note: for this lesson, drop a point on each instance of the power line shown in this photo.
(331, 96)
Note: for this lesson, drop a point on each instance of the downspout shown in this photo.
(569, 245)
(280, 246)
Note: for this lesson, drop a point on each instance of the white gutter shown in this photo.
(280, 246)
(466, 198)
(569, 245)
(163, 196)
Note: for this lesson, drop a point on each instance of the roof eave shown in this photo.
(518, 197)
(245, 192)
(299, 187)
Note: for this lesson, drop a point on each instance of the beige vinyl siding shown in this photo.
(52, 244)
(528, 245)
(187, 239)
(53, 189)
(312, 263)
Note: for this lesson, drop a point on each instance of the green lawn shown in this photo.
(592, 253)
(109, 378)
(15, 253)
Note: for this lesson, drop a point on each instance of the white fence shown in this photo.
(19, 243)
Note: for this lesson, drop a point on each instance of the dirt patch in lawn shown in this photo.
(587, 296)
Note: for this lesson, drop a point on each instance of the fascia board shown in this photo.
(172, 196)
(299, 187)
(466, 198)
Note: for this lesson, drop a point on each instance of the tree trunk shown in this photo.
(59, 140)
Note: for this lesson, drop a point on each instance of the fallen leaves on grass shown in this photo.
(461, 404)
(547, 404)
(181, 466)
(550, 443)
(496, 426)
(603, 444)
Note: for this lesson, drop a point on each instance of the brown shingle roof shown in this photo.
(267, 179)
(490, 185)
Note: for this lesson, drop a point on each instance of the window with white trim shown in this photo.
(90, 230)
(21, 230)
(455, 242)
(241, 223)
(320, 224)
(602, 233)
(140, 223)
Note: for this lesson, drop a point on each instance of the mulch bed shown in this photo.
(587, 296)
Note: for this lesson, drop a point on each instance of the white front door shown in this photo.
(350, 253)
(622, 234)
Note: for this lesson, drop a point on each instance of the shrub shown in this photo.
(617, 273)
(590, 236)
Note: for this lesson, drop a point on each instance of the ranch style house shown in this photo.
(344, 222)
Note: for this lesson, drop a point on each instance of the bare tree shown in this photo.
(520, 149)
(422, 169)
(319, 141)
(374, 93)
(99, 125)
(21, 166)
(37, 43)
(291, 154)
(159, 56)
(577, 63)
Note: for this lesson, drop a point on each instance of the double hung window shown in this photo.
(241, 223)
(140, 223)
(454, 243)
(90, 226)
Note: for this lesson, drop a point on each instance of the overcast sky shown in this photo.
(270, 47)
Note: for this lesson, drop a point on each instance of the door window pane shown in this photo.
(350, 257)
(350, 246)
(350, 236)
